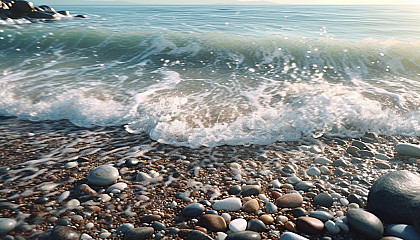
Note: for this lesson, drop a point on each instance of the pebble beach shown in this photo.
(59, 181)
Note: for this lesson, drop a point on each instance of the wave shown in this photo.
(213, 88)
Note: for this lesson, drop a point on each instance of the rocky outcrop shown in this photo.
(25, 9)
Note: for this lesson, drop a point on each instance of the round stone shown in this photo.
(321, 215)
(73, 203)
(323, 161)
(123, 228)
(270, 208)
(238, 225)
(391, 195)
(197, 235)
(313, 171)
(251, 206)
(244, 235)
(309, 225)
(266, 218)
(249, 190)
(228, 204)
(289, 200)
(256, 225)
(140, 233)
(304, 186)
(323, 199)
(119, 186)
(64, 233)
(103, 175)
(193, 210)
(235, 189)
(408, 149)
(365, 223)
(150, 218)
(6, 225)
(212, 222)
(332, 227)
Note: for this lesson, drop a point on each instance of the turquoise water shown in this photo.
(214, 75)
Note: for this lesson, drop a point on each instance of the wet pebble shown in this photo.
(365, 223)
(7, 225)
(244, 235)
(140, 233)
(289, 200)
(103, 175)
(228, 204)
(193, 210)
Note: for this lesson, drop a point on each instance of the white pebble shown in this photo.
(85, 236)
(71, 165)
(227, 217)
(89, 225)
(72, 204)
(228, 204)
(238, 225)
(118, 186)
(104, 197)
(63, 196)
(221, 236)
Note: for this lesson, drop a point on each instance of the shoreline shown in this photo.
(44, 164)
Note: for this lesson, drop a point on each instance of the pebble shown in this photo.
(119, 186)
(323, 199)
(390, 196)
(221, 236)
(158, 226)
(321, 215)
(270, 208)
(275, 183)
(141, 177)
(63, 196)
(104, 197)
(87, 189)
(193, 210)
(244, 235)
(7, 225)
(103, 175)
(73, 203)
(266, 218)
(256, 225)
(212, 222)
(64, 233)
(235, 189)
(309, 225)
(227, 217)
(292, 236)
(325, 170)
(332, 227)
(123, 228)
(251, 206)
(249, 190)
(85, 236)
(365, 223)
(104, 235)
(238, 225)
(71, 165)
(403, 231)
(304, 186)
(289, 200)
(323, 161)
(313, 171)
(228, 204)
(408, 149)
(150, 218)
(140, 233)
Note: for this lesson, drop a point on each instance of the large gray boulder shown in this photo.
(394, 198)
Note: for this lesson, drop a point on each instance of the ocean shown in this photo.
(218, 74)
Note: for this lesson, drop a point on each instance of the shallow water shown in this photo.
(214, 75)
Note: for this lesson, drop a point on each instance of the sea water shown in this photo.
(218, 74)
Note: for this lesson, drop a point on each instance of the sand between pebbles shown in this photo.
(44, 169)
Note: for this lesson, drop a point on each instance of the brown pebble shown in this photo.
(213, 222)
(275, 194)
(86, 189)
(266, 218)
(290, 226)
(290, 200)
(246, 199)
(150, 218)
(309, 225)
(93, 208)
(251, 206)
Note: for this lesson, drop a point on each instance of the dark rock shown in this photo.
(150, 218)
(42, 15)
(47, 8)
(140, 233)
(402, 231)
(249, 190)
(64, 13)
(158, 226)
(81, 16)
(197, 235)
(64, 233)
(323, 199)
(354, 198)
(256, 225)
(235, 189)
(244, 235)
(365, 223)
(298, 212)
(22, 7)
(193, 210)
(393, 196)
(321, 215)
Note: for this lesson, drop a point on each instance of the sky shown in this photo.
(153, 2)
